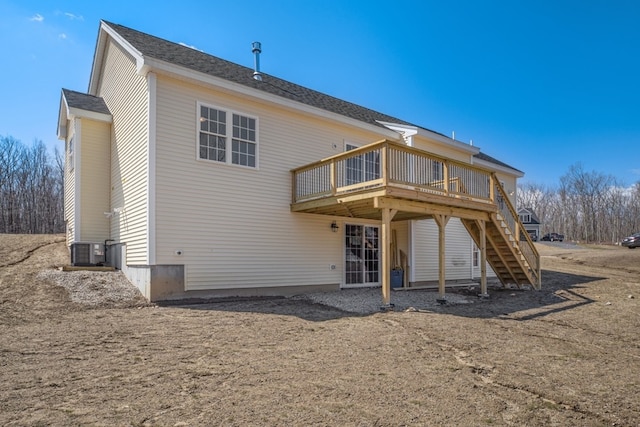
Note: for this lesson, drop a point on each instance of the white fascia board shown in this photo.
(63, 117)
(86, 114)
(162, 67)
(405, 130)
(441, 138)
(96, 65)
(103, 36)
(408, 130)
(497, 168)
(524, 210)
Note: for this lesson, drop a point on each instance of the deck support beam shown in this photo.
(482, 226)
(387, 216)
(442, 221)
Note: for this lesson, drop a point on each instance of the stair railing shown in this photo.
(511, 219)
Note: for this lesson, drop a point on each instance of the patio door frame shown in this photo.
(362, 250)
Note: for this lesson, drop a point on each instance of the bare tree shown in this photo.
(587, 206)
(10, 156)
(31, 189)
(531, 195)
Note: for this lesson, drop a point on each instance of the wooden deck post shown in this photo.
(384, 161)
(492, 190)
(294, 187)
(482, 226)
(442, 221)
(387, 216)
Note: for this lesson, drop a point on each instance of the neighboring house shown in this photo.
(206, 178)
(531, 223)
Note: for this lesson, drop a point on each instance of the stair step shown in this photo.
(503, 252)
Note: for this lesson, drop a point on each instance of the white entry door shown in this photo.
(362, 255)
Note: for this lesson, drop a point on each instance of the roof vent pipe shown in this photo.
(256, 49)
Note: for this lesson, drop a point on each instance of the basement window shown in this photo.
(227, 137)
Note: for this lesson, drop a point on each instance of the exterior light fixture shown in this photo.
(334, 227)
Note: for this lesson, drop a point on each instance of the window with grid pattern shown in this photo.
(213, 137)
(243, 143)
(361, 168)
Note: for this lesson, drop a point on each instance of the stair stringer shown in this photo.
(503, 253)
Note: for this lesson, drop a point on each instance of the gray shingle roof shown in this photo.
(174, 53)
(488, 158)
(85, 102)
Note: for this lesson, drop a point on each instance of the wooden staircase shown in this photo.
(504, 253)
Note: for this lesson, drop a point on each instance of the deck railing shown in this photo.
(510, 217)
(387, 163)
(391, 164)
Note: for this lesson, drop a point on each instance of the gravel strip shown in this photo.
(97, 288)
(369, 300)
(113, 290)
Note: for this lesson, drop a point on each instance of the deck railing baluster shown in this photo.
(391, 164)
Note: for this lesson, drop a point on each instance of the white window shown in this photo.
(218, 127)
(361, 168)
(525, 218)
(476, 255)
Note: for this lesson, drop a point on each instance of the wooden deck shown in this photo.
(389, 181)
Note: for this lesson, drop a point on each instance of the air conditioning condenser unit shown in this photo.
(87, 254)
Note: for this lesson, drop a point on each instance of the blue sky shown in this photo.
(540, 85)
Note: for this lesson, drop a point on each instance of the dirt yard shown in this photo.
(568, 355)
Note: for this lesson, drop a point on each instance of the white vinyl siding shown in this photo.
(401, 231)
(440, 149)
(457, 251)
(234, 225)
(70, 188)
(509, 185)
(95, 191)
(71, 154)
(126, 94)
(477, 271)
